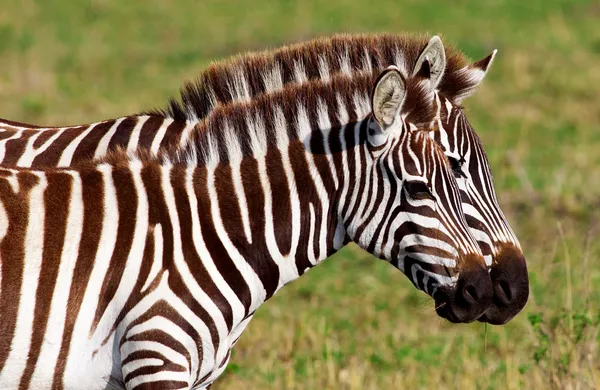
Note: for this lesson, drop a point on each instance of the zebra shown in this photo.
(253, 74)
(141, 271)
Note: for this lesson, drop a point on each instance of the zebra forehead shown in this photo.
(250, 74)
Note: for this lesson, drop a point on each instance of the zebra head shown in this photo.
(470, 166)
(413, 216)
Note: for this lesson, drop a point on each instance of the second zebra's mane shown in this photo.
(245, 76)
(237, 129)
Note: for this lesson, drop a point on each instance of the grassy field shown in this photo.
(354, 322)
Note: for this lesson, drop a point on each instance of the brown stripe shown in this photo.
(16, 147)
(163, 309)
(256, 254)
(362, 180)
(52, 155)
(12, 252)
(137, 295)
(281, 203)
(56, 203)
(88, 145)
(19, 124)
(306, 194)
(120, 138)
(93, 196)
(159, 213)
(163, 385)
(159, 336)
(148, 131)
(6, 133)
(176, 282)
(173, 134)
(223, 262)
(43, 137)
(190, 254)
(127, 201)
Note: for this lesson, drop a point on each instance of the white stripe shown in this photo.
(102, 147)
(29, 155)
(185, 134)
(251, 279)
(170, 354)
(323, 69)
(272, 78)
(299, 72)
(190, 282)
(165, 375)
(157, 258)
(135, 364)
(34, 246)
(81, 331)
(135, 255)
(160, 134)
(173, 330)
(135, 133)
(67, 154)
(240, 90)
(283, 146)
(58, 309)
(3, 143)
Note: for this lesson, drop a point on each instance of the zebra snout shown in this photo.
(469, 298)
(510, 282)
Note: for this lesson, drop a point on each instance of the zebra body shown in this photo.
(141, 271)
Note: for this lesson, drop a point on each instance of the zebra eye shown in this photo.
(418, 190)
(455, 165)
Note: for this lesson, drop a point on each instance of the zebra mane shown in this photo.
(229, 130)
(245, 76)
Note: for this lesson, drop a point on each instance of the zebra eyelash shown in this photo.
(418, 190)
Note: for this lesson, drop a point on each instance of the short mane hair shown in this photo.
(245, 76)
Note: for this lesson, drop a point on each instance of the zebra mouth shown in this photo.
(446, 311)
(468, 300)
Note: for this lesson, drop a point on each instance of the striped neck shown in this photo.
(281, 207)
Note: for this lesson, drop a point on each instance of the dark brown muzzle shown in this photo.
(470, 297)
(511, 285)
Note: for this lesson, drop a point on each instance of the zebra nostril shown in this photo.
(503, 293)
(470, 294)
(505, 287)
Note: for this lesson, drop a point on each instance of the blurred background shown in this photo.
(355, 322)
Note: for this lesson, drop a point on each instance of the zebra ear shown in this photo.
(388, 97)
(472, 76)
(432, 61)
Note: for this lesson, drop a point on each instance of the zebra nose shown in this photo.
(510, 282)
(471, 296)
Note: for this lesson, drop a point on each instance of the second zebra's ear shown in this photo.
(432, 61)
(472, 76)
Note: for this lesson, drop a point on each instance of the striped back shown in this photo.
(24, 145)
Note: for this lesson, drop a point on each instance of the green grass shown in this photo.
(354, 322)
